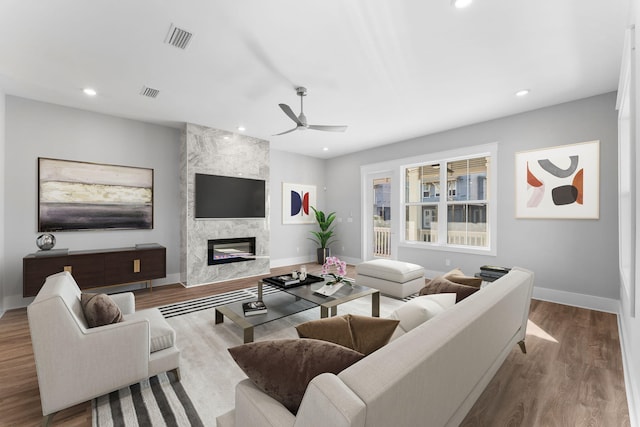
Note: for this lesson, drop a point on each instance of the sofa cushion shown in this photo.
(162, 335)
(418, 310)
(457, 276)
(284, 368)
(442, 285)
(360, 333)
(392, 270)
(99, 310)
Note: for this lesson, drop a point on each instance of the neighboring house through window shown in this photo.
(462, 217)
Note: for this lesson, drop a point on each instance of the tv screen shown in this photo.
(229, 197)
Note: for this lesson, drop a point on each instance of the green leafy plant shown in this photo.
(324, 236)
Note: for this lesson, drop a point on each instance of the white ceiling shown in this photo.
(390, 69)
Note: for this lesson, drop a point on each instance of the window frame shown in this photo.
(486, 150)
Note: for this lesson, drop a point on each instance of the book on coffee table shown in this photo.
(254, 307)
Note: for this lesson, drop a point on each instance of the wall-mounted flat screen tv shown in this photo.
(219, 197)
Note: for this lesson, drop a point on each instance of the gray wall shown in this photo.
(35, 129)
(290, 243)
(575, 256)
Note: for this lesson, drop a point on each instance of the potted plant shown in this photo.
(324, 236)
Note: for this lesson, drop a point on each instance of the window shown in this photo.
(457, 218)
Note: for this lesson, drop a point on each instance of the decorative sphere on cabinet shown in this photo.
(46, 241)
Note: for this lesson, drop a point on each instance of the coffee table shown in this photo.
(294, 300)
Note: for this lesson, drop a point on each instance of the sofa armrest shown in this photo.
(125, 301)
(255, 408)
(330, 402)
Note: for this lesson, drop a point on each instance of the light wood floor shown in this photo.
(571, 376)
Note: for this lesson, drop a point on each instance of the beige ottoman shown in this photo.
(395, 278)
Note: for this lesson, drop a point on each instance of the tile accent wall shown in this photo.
(205, 150)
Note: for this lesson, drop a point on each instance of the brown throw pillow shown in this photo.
(457, 276)
(284, 368)
(100, 310)
(360, 333)
(442, 285)
(370, 333)
(333, 329)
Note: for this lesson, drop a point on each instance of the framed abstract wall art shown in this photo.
(559, 182)
(297, 200)
(91, 196)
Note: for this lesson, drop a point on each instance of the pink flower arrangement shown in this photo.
(341, 269)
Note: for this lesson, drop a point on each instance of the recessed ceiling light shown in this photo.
(460, 4)
(241, 128)
(225, 137)
(522, 92)
(90, 92)
(325, 149)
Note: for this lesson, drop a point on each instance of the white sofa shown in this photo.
(76, 363)
(431, 375)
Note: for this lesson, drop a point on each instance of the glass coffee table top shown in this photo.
(286, 302)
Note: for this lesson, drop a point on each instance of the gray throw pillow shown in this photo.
(100, 310)
(283, 368)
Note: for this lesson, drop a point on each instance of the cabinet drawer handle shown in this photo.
(68, 268)
(136, 266)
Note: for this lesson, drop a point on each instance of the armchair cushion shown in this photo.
(162, 334)
(99, 310)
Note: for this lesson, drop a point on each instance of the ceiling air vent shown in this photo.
(178, 37)
(150, 92)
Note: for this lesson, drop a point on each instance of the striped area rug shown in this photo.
(185, 307)
(157, 401)
(213, 301)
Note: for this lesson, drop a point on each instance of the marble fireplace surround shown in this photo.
(205, 150)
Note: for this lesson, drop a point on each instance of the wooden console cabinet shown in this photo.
(96, 268)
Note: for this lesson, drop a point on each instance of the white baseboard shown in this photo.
(631, 381)
(591, 302)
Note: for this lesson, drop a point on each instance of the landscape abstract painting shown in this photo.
(90, 196)
(559, 182)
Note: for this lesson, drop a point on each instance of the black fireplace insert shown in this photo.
(224, 251)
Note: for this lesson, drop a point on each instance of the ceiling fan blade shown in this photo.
(286, 131)
(287, 110)
(328, 128)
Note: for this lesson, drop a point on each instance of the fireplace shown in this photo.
(224, 251)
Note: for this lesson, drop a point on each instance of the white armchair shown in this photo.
(76, 363)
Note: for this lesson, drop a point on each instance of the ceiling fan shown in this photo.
(301, 120)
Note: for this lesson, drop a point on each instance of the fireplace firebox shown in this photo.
(224, 251)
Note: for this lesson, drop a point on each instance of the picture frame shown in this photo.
(75, 196)
(560, 182)
(297, 200)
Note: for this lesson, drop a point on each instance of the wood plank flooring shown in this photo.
(571, 376)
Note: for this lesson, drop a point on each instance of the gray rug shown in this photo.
(158, 401)
(209, 374)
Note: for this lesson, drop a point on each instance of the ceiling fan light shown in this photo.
(461, 4)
